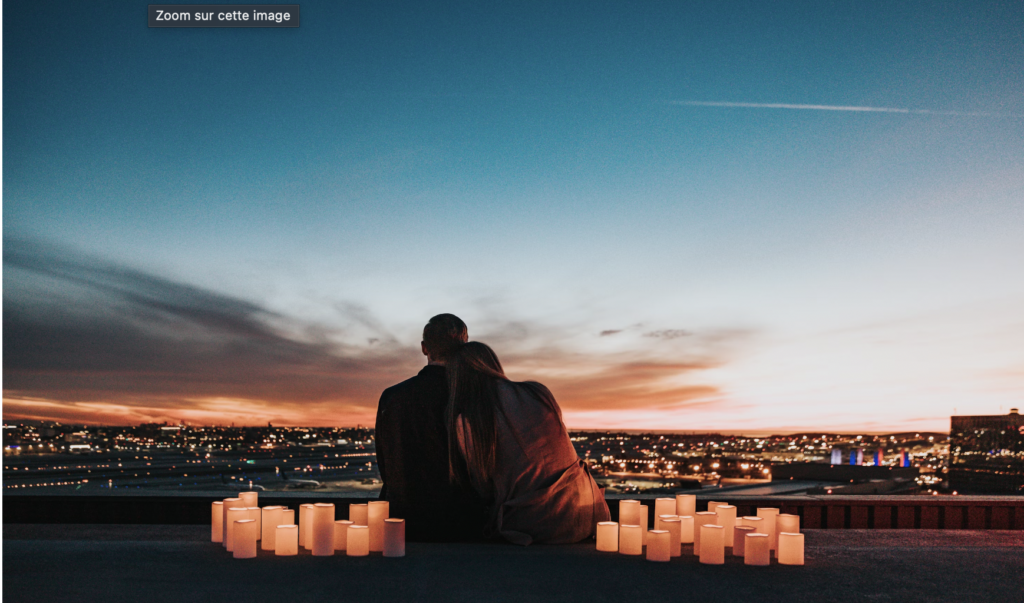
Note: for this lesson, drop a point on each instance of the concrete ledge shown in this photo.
(177, 563)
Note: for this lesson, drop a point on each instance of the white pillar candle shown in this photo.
(271, 518)
(769, 515)
(217, 521)
(643, 524)
(306, 525)
(245, 539)
(228, 503)
(786, 522)
(341, 534)
(671, 524)
(712, 505)
(755, 549)
(738, 540)
(663, 506)
(686, 529)
(629, 513)
(658, 545)
(286, 517)
(358, 544)
(726, 519)
(323, 529)
(357, 514)
(658, 525)
(755, 522)
(608, 536)
(701, 519)
(234, 514)
(712, 544)
(791, 548)
(630, 540)
(376, 512)
(394, 537)
(256, 514)
(686, 505)
(250, 498)
(286, 540)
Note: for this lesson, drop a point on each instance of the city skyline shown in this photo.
(735, 218)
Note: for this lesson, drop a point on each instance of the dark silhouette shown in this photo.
(507, 440)
(412, 447)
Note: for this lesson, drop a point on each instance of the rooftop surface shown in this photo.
(177, 563)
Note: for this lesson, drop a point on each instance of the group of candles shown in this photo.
(238, 523)
(677, 522)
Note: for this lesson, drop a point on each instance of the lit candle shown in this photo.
(217, 521)
(323, 529)
(306, 525)
(712, 505)
(672, 525)
(755, 549)
(726, 519)
(629, 513)
(256, 515)
(686, 529)
(643, 524)
(658, 525)
(686, 505)
(712, 544)
(755, 522)
(701, 519)
(791, 548)
(250, 498)
(245, 539)
(341, 534)
(394, 537)
(287, 517)
(608, 536)
(663, 506)
(769, 515)
(234, 514)
(286, 540)
(739, 535)
(228, 503)
(657, 545)
(786, 522)
(376, 513)
(358, 544)
(630, 540)
(268, 531)
(357, 514)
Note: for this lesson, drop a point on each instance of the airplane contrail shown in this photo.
(688, 103)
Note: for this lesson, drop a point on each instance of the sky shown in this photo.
(727, 216)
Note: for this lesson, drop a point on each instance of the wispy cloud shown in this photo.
(87, 340)
(848, 108)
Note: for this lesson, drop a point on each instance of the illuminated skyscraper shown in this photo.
(986, 453)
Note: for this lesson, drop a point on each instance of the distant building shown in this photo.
(843, 456)
(986, 453)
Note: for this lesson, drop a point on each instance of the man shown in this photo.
(412, 446)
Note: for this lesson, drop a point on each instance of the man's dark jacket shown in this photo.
(412, 456)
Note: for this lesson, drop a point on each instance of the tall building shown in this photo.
(986, 453)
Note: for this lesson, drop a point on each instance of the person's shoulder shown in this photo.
(537, 390)
(413, 385)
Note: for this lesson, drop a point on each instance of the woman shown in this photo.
(508, 442)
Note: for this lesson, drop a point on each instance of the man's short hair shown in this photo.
(443, 334)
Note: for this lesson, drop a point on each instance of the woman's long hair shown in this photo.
(473, 375)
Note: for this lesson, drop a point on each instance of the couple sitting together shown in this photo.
(467, 454)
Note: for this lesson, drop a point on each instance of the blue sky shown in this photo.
(530, 167)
